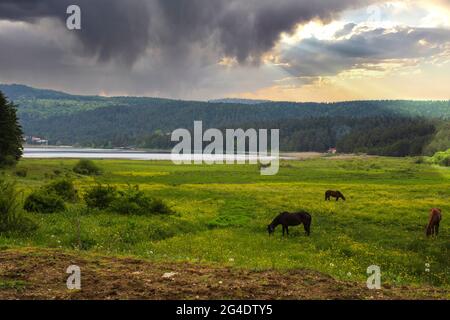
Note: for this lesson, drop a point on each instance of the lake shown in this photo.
(78, 153)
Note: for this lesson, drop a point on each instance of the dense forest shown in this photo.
(383, 135)
(378, 127)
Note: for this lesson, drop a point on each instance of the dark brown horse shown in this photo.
(433, 225)
(335, 194)
(287, 220)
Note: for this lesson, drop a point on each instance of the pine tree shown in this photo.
(10, 133)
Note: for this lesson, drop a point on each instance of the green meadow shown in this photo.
(221, 213)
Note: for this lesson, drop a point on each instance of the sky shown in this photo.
(289, 50)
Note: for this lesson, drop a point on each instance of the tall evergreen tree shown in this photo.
(10, 133)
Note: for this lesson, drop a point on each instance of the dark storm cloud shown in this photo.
(126, 29)
(241, 29)
(110, 28)
(151, 47)
(313, 57)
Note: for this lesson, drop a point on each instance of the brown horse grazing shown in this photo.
(433, 225)
(335, 194)
(287, 220)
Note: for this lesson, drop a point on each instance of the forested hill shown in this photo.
(133, 121)
(40, 104)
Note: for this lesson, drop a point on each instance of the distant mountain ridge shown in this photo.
(18, 91)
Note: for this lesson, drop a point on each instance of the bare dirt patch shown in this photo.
(41, 274)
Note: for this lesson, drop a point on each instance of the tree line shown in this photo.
(389, 136)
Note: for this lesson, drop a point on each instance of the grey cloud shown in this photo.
(50, 66)
(313, 57)
(152, 47)
(110, 28)
(244, 30)
(126, 29)
(346, 30)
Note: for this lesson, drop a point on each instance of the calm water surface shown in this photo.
(77, 153)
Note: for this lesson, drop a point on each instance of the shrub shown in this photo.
(11, 218)
(21, 172)
(42, 201)
(134, 201)
(131, 201)
(87, 168)
(158, 206)
(100, 197)
(441, 158)
(445, 162)
(63, 188)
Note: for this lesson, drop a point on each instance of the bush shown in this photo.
(11, 218)
(158, 206)
(441, 158)
(21, 172)
(42, 201)
(87, 168)
(100, 197)
(63, 188)
(134, 201)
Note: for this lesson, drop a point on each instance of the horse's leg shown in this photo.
(287, 231)
(283, 230)
(429, 230)
(437, 229)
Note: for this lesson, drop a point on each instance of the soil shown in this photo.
(33, 273)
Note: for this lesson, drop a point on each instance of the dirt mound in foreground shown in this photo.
(41, 274)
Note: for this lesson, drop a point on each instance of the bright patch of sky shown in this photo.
(356, 55)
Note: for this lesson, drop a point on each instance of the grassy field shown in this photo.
(221, 214)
